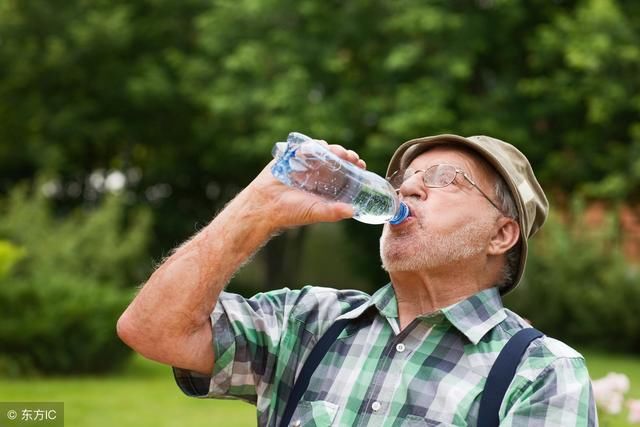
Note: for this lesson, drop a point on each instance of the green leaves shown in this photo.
(194, 93)
(585, 65)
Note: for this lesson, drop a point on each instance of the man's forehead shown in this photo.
(456, 155)
(443, 154)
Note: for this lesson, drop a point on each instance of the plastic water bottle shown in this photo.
(309, 165)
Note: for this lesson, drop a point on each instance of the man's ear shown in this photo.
(505, 237)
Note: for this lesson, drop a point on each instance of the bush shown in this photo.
(64, 325)
(65, 284)
(578, 286)
(10, 254)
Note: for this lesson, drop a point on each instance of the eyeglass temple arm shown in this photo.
(479, 189)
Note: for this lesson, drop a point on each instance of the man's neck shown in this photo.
(423, 292)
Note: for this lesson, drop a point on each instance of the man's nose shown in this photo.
(414, 187)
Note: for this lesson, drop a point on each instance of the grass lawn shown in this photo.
(146, 395)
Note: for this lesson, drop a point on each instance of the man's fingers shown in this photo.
(337, 211)
(348, 155)
(353, 156)
(343, 153)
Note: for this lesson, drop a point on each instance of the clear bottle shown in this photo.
(309, 165)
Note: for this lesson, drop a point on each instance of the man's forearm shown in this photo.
(180, 295)
(168, 321)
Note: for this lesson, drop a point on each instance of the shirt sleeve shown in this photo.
(247, 335)
(259, 342)
(560, 396)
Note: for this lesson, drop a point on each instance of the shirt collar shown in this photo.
(385, 301)
(474, 316)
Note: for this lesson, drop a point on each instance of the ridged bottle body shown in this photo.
(309, 165)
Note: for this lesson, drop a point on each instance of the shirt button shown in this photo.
(297, 423)
(376, 406)
(400, 348)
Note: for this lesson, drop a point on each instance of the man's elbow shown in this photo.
(139, 339)
(190, 351)
(126, 331)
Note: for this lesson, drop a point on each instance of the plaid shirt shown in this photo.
(431, 373)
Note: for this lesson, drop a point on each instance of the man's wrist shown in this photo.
(247, 209)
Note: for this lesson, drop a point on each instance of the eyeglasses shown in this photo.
(436, 176)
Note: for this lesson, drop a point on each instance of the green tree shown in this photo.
(187, 97)
(582, 98)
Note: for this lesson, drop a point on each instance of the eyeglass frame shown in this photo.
(456, 169)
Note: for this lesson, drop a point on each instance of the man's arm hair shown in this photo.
(169, 319)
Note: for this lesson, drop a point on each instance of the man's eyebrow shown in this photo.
(457, 166)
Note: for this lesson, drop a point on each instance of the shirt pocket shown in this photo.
(317, 413)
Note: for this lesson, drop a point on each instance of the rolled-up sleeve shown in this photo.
(247, 335)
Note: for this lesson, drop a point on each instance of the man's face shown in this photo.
(447, 225)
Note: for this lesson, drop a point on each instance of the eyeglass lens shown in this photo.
(434, 176)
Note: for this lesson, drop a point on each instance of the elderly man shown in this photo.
(416, 353)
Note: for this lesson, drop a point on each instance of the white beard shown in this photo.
(427, 249)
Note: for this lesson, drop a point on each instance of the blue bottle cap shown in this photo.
(401, 215)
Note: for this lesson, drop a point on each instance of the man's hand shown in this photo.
(287, 207)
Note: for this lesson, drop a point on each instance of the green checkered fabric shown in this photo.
(431, 373)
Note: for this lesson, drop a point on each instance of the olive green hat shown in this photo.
(512, 166)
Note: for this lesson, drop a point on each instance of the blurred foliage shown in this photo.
(191, 94)
(10, 254)
(63, 287)
(578, 286)
(185, 97)
(101, 244)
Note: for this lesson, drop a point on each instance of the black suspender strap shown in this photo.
(501, 375)
(302, 382)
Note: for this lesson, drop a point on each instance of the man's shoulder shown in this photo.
(546, 346)
(310, 294)
(309, 304)
(543, 354)
(303, 296)
(558, 349)
(327, 303)
(328, 292)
